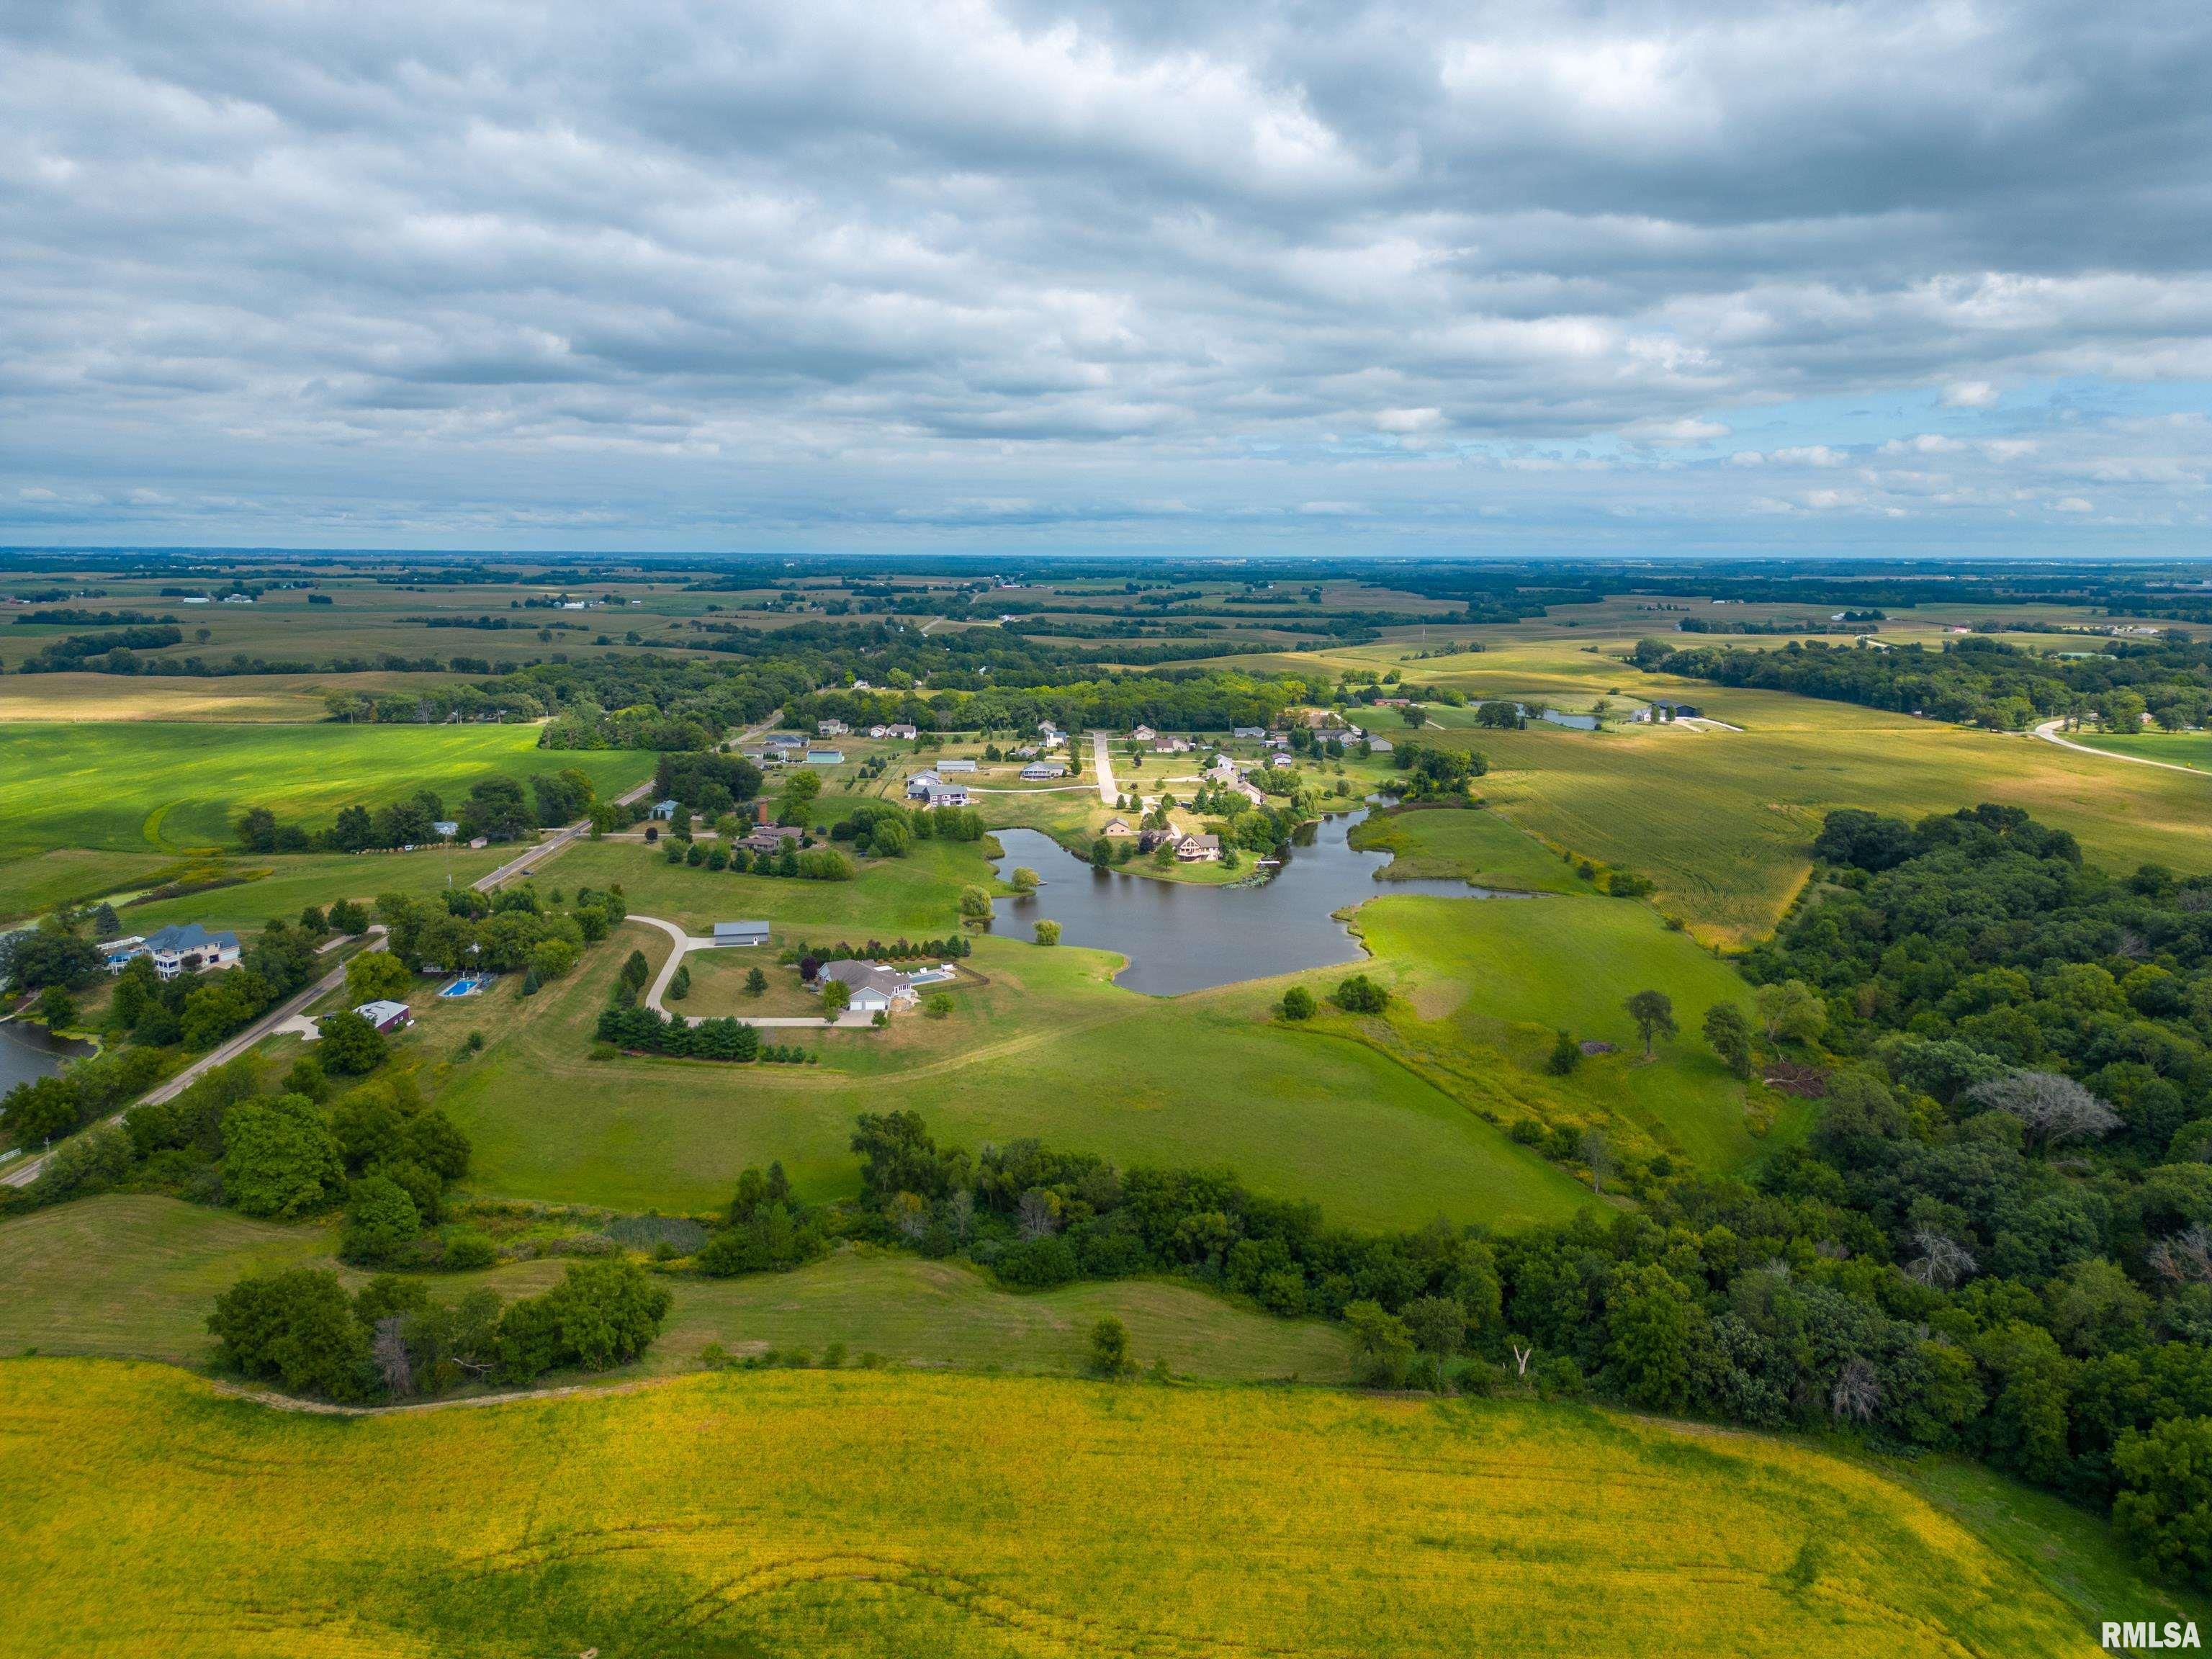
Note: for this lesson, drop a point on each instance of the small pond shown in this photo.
(28, 1052)
(1181, 937)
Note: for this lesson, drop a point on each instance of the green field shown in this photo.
(1486, 984)
(132, 1277)
(140, 786)
(1045, 1046)
(1482, 847)
(2189, 749)
(1724, 821)
(891, 1513)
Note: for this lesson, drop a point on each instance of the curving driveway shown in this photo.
(2049, 732)
(687, 943)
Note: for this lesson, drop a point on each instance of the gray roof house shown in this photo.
(182, 947)
(876, 989)
(740, 933)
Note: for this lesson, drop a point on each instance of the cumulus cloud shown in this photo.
(846, 275)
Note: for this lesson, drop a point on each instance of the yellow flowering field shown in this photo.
(905, 1514)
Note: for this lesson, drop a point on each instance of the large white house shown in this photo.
(184, 947)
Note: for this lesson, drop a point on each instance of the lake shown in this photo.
(1180, 938)
(27, 1052)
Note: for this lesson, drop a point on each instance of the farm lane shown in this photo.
(24, 1173)
(2049, 732)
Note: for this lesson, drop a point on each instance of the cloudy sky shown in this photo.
(1162, 274)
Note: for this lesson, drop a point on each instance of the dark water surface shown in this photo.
(27, 1052)
(1180, 938)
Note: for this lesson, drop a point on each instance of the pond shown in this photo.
(1181, 937)
(28, 1052)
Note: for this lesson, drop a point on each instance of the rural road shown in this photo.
(24, 1173)
(2049, 732)
(569, 834)
(1107, 792)
(686, 943)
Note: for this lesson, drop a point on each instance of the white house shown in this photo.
(1279, 759)
(1039, 771)
(185, 947)
(1224, 770)
(1199, 849)
(1247, 730)
(831, 728)
(1143, 734)
(901, 729)
(878, 730)
(949, 794)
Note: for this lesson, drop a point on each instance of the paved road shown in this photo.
(24, 1172)
(685, 943)
(2049, 732)
(568, 834)
(1107, 792)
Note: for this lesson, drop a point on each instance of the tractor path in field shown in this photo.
(24, 1173)
(2049, 732)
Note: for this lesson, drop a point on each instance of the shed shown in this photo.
(740, 933)
(386, 1016)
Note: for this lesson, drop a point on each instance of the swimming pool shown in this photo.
(467, 986)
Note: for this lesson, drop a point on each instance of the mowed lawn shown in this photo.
(168, 786)
(874, 1512)
(132, 1276)
(2190, 749)
(1040, 1043)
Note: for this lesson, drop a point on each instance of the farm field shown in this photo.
(286, 699)
(133, 1276)
(1048, 1047)
(1723, 821)
(887, 1513)
(136, 786)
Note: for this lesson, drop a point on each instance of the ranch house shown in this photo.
(876, 989)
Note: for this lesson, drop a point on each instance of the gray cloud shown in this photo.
(1395, 275)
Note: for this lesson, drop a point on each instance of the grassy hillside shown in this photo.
(132, 1276)
(1487, 986)
(135, 787)
(875, 1513)
(1044, 1047)
(2190, 749)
